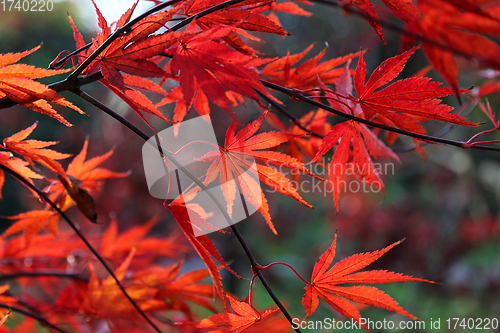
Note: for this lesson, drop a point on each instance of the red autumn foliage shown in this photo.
(116, 280)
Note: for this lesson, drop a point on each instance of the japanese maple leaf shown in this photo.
(464, 26)
(18, 165)
(243, 318)
(32, 222)
(238, 13)
(104, 299)
(356, 143)
(305, 146)
(325, 283)
(85, 177)
(7, 300)
(116, 245)
(235, 162)
(403, 103)
(133, 52)
(178, 288)
(403, 9)
(17, 83)
(189, 216)
(200, 103)
(306, 75)
(246, 15)
(34, 150)
(134, 98)
(214, 68)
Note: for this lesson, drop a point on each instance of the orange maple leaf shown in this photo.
(104, 299)
(16, 83)
(34, 150)
(85, 177)
(243, 318)
(325, 284)
(235, 166)
(32, 222)
(177, 287)
(116, 245)
(18, 165)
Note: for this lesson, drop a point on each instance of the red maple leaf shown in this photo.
(356, 143)
(403, 103)
(133, 52)
(403, 9)
(206, 65)
(189, 216)
(464, 26)
(325, 284)
(234, 164)
(308, 74)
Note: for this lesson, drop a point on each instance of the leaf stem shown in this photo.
(287, 265)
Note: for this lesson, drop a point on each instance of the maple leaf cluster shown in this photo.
(206, 62)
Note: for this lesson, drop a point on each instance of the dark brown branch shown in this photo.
(144, 136)
(45, 197)
(40, 319)
(301, 97)
(120, 32)
(294, 119)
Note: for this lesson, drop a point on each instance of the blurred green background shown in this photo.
(447, 207)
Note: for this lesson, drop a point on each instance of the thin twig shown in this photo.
(34, 316)
(294, 119)
(166, 153)
(115, 35)
(45, 197)
(295, 94)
